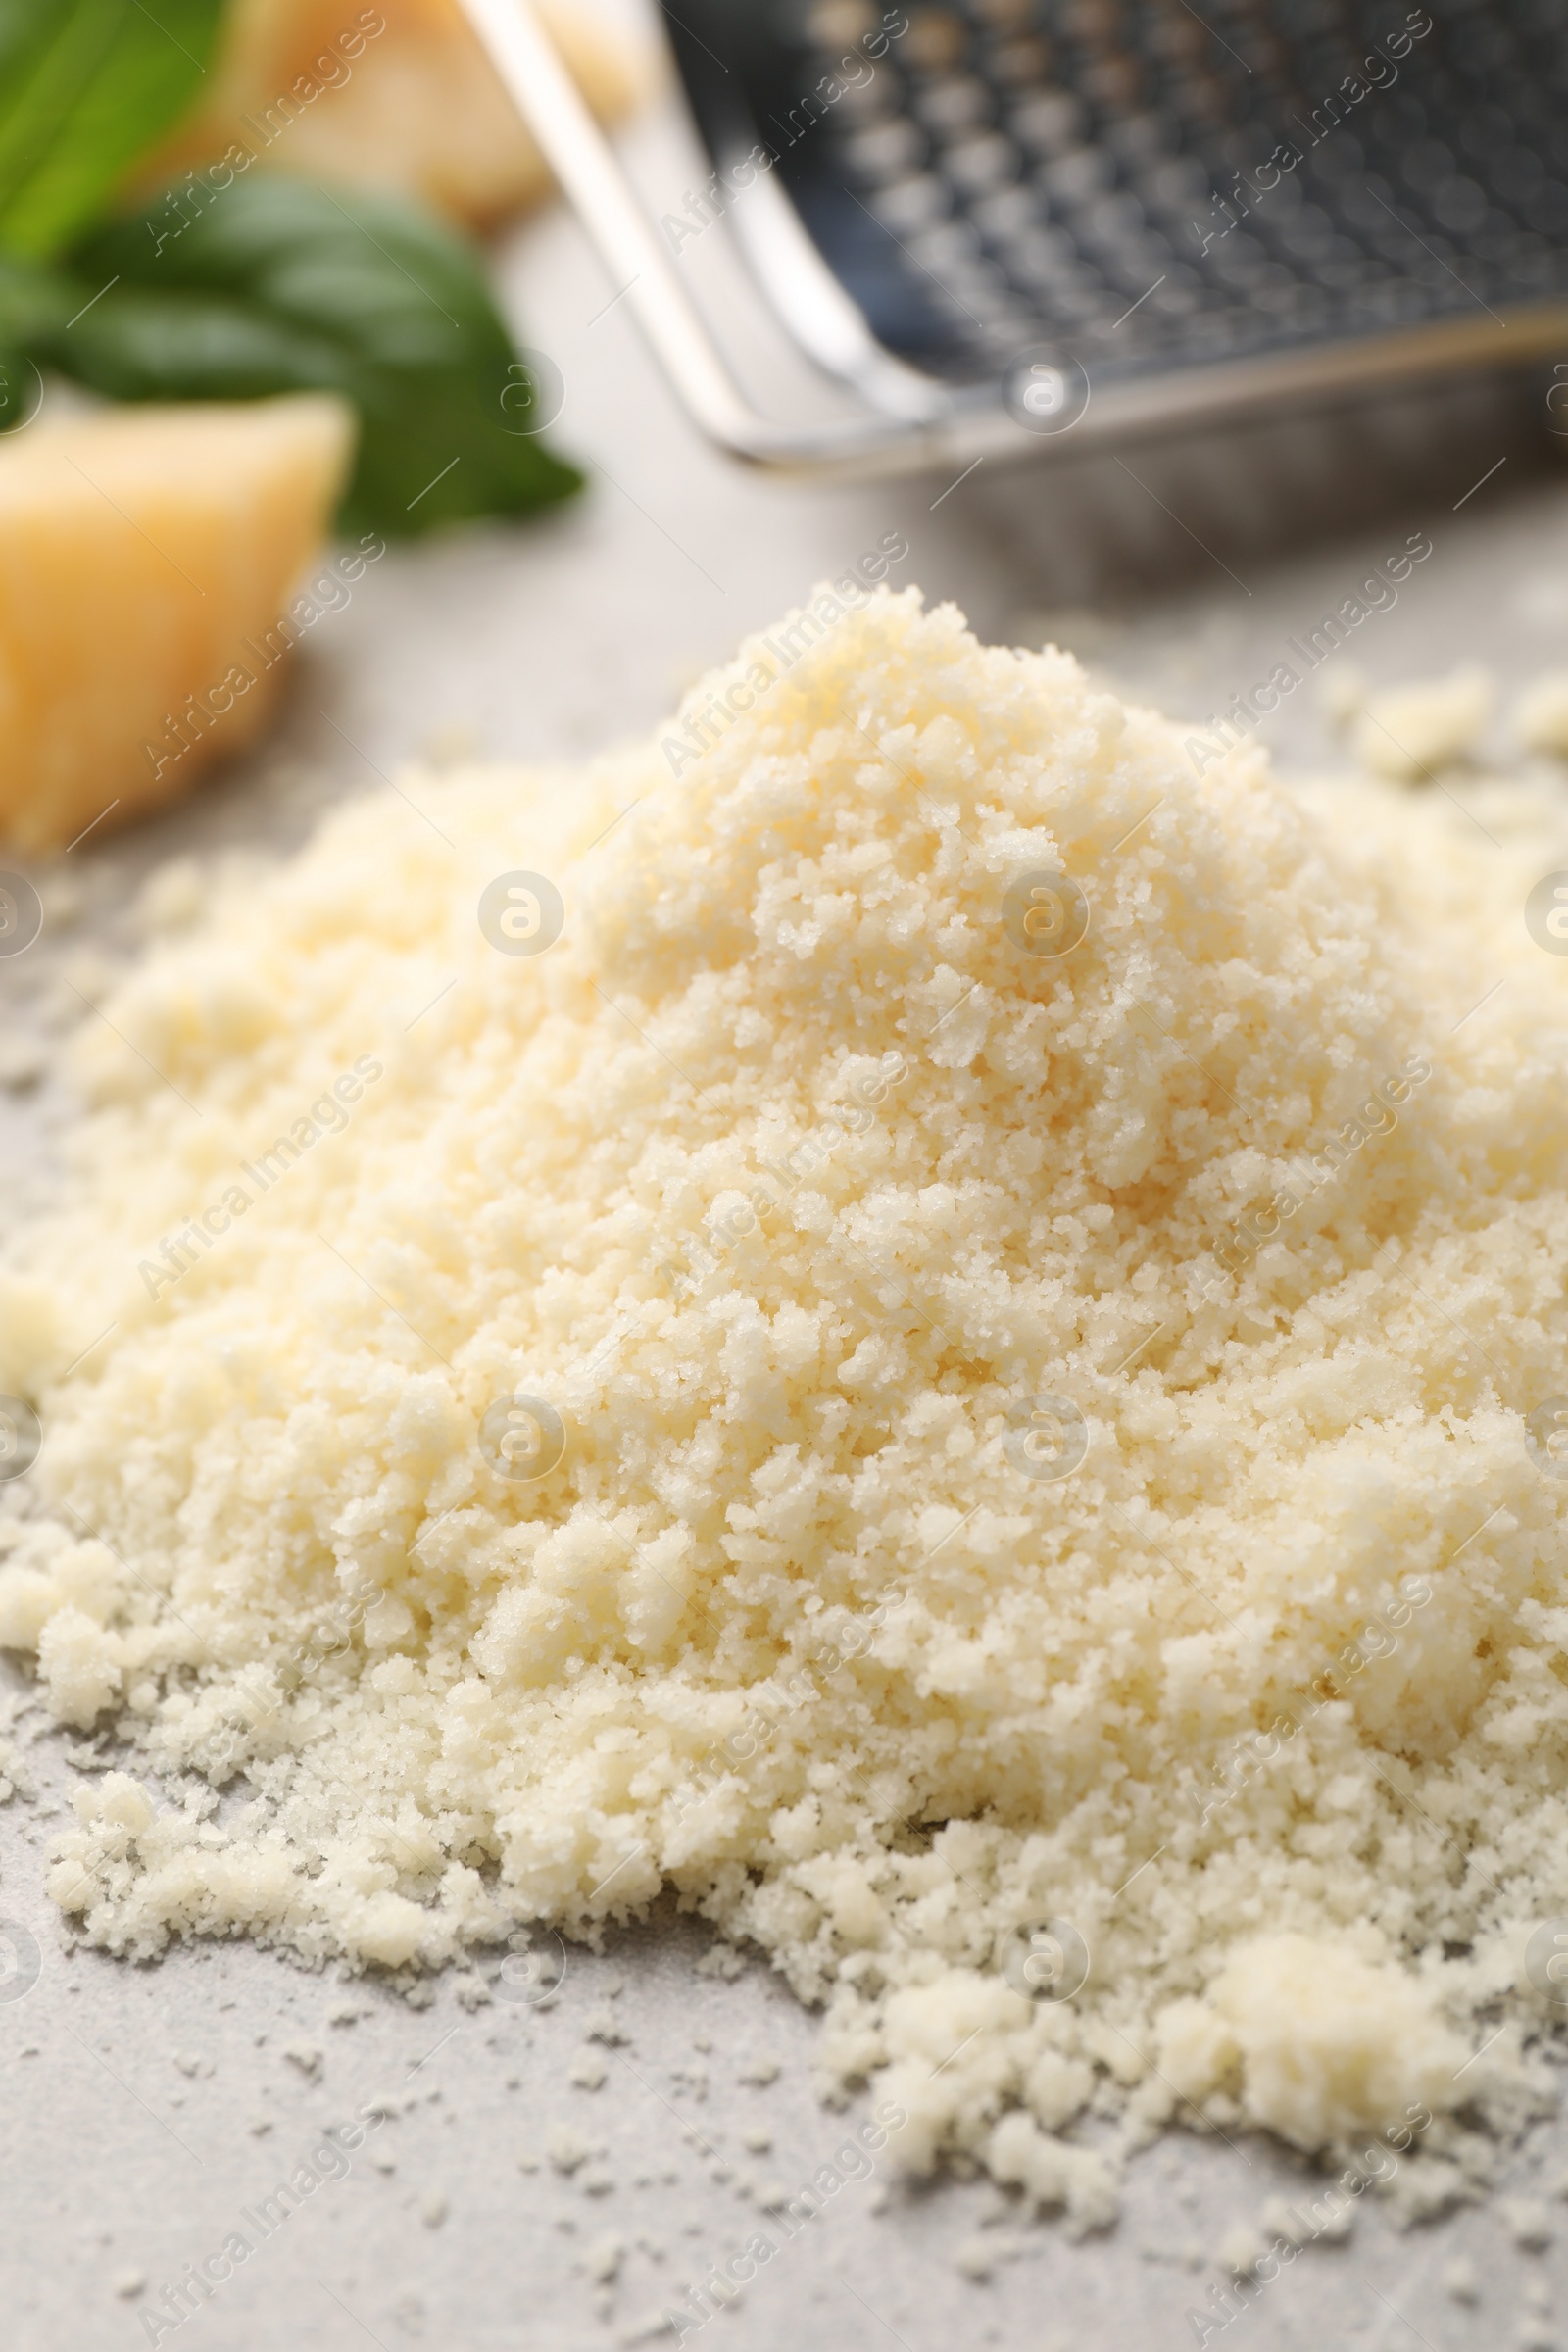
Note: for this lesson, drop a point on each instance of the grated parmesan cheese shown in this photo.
(1038, 1279)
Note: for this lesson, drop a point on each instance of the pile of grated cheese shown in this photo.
(825, 1214)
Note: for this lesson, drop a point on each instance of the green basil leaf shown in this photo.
(273, 285)
(85, 86)
(35, 303)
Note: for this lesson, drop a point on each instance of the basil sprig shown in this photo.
(232, 287)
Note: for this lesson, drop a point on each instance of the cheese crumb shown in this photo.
(1412, 731)
(603, 2257)
(976, 2258)
(1540, 714)
(565, 2148)
(1460, 2280)
(1527, 2221)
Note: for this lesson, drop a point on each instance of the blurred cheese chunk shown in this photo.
(1412, 731)
(398, 95)
(146, 560)
(1540, 714)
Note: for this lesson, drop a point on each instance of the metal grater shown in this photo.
(1004, 221)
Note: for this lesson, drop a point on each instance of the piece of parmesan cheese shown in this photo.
(1033, 1279)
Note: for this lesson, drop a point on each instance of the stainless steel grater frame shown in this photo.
(1035, 227)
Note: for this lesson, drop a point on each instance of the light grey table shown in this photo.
(147, 2108)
